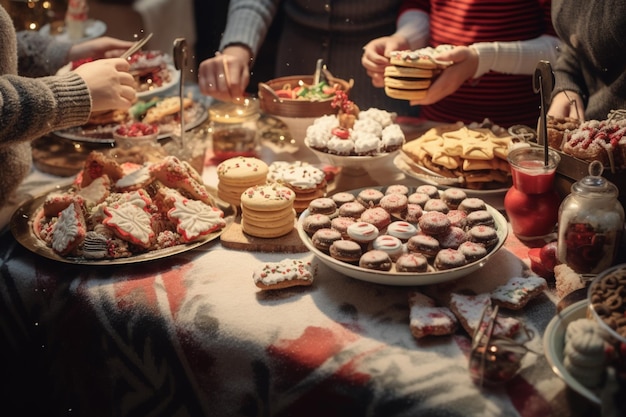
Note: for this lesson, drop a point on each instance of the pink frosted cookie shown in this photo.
(283, 274)
(377, 216)
(179, 174)
(453, 197)
(55, 203)
(472, 204)
(449, 259)
(341, 225)
(484, 235)
(394, 203)
(323, 238)
(436, 204)
(472, 251)
(398, 189)
(518, 291)
(480, 217)
(323, 205)
(418, 198)
(434, 223)
(375, 259)
(457, 218)
(430, 190)
(352, 209)
(453, 238)
(342, 198)
(412, 262)
(314, 222)
(424, 244)
(413, 213)
(369, 197)
(469, 308)
(427, 319)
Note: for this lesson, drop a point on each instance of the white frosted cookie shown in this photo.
(194, 219)
(284, 274)
(584, 352)
(130, 223)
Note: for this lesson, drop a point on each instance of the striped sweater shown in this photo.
(506, 99)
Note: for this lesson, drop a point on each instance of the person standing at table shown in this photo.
(497, 48)
(33, 103)
(334, 31)
(590, 73)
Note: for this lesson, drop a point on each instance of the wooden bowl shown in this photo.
(278, 106)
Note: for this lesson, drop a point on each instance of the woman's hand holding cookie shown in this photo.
(465, 61)
(376, 56)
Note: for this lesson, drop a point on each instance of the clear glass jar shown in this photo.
(591, 223)
(233, 128)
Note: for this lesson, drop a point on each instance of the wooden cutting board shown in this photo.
(234, 238)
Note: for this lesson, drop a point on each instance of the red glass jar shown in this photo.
(532, 203)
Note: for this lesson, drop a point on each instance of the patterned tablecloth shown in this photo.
(192, 335)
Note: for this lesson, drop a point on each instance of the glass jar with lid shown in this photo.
(233, 128)
(591, 223)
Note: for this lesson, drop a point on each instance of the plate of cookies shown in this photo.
(401, 235)
(163, 112)
(472, 157)
(114, 214)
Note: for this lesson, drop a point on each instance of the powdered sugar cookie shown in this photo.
(518, 291)
(284, 274)
(426, 319)
(469, 308)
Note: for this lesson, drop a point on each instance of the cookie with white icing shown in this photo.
(284, 274)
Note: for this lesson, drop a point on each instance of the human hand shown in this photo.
(110, 84)
(102, 47)
(376, 56)
(567, 104)
(226, 76)
(465, 62)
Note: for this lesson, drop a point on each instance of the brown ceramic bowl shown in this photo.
(285, 107)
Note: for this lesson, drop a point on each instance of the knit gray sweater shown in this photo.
(31, 107)
(592, 61)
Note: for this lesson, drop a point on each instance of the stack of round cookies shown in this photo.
(411, 72)
(267, 210)
(307, 181)
(235, 175)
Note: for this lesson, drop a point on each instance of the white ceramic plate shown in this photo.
(441, 182)
(196, 115)
(404, 278)
(174, 79)
(554, 341)
(93, 29)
